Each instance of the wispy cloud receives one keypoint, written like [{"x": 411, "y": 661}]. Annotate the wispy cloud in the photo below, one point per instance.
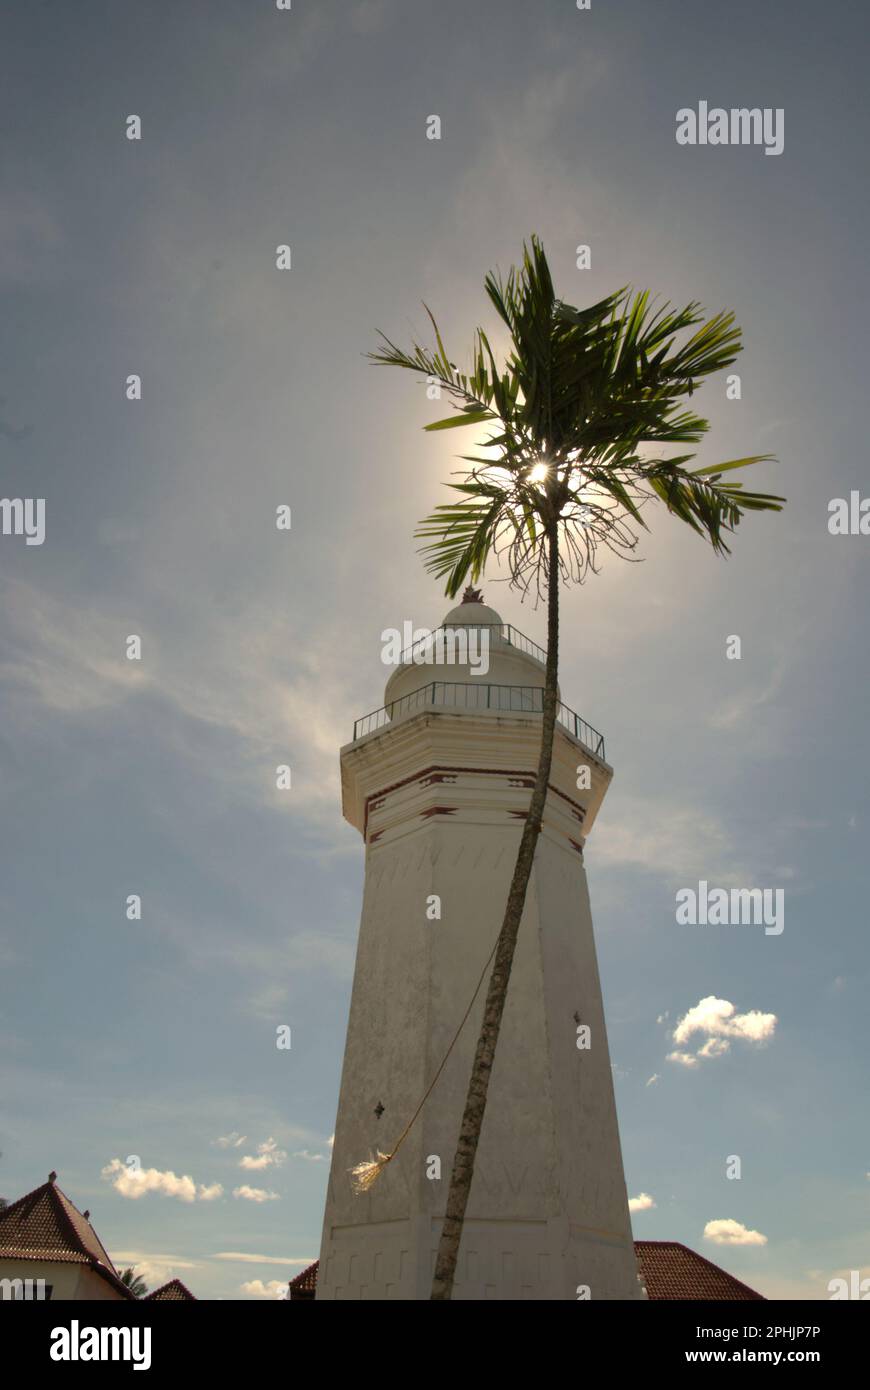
[
  {"x": 268, "y": 1155},
  {"x": 245, "y": 1257},
  {"x": 155, "y": 1268},
  {"x": 232, "y": 675},
  {"x": 230, "y": 1141},
  {"x": 751, "y": 697},
  {"x": 302, "y": 952},
  {"x": 667, "y": 839}
]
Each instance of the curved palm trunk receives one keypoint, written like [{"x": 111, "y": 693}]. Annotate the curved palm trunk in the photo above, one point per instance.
[{"x": 475, "y": 1103}]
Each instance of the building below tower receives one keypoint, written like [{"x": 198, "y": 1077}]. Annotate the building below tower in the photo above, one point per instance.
[{"x": 669, "y": 1272}]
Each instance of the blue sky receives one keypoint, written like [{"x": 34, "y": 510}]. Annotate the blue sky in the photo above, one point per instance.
[{"x": 261, "y": 647}]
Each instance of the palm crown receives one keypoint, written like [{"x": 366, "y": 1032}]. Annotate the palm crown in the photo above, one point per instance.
[{"x": 581, "y": 396}]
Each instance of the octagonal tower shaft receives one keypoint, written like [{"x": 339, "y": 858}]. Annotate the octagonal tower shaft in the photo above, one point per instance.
[{"x": 439, "y": 791}]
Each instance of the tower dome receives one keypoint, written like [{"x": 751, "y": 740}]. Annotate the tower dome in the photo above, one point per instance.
[
  {"x": 473, "y": 612},
  {"x": 473, "y": 652}
]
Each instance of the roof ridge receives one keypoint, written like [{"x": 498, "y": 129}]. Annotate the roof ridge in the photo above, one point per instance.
[
  {"x": 67, "y": 1202},
  {"x": 10, "y": 1206},
  {"x": 171, "y": 1283},
  {"x": 60, "y": 1199}
]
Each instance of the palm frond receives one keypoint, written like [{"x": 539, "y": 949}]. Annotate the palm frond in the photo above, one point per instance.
[{"x": 460, "y": 535}]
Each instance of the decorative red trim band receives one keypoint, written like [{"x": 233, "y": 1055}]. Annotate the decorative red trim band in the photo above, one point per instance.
[{"x": 437, "y": 774}]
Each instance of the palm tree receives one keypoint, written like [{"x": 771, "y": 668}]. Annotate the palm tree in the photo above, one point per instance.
[
  {"x": 580, "y": 398},
  {"x": 134, "y": 1282}
]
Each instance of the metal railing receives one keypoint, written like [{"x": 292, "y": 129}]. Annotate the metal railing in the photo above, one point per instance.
[
  {"x": 526, "y": 699},
  {"x": 446, "y": 633}
]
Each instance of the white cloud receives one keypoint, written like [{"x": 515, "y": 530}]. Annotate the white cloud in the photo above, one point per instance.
[
  {"x": 728, "y": 1232},
  {"x": 311, "y": 1157},
  {"x": 136, "y": 1182},
  {"x": 257, "y": 1289},
  {"x": 268, "y": 1156},
  {"x": 254, "y": 1194},
  {"x": 643, "y": 1202},
  {"x": 717, "y": 1020},
  {"x": 683, "y": 1059}
]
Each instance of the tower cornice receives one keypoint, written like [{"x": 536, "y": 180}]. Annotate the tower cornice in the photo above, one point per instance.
[{"x": 476, "y": 767}]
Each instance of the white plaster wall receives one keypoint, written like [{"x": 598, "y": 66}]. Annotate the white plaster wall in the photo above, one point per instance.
[{"x": 95, "y": 1289}]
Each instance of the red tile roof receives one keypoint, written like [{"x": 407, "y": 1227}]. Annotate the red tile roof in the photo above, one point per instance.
[
  {"x": 174, "y": 1291},
  {"x": 45, "y": 1225},
  {"x": 305, "y": 1284},
  {"x": 673, "y": 1271},
  {"x": 669, "y": 1271}
]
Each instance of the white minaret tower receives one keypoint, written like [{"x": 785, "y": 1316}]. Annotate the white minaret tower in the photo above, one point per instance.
[{"x": 438, "y": 783}]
